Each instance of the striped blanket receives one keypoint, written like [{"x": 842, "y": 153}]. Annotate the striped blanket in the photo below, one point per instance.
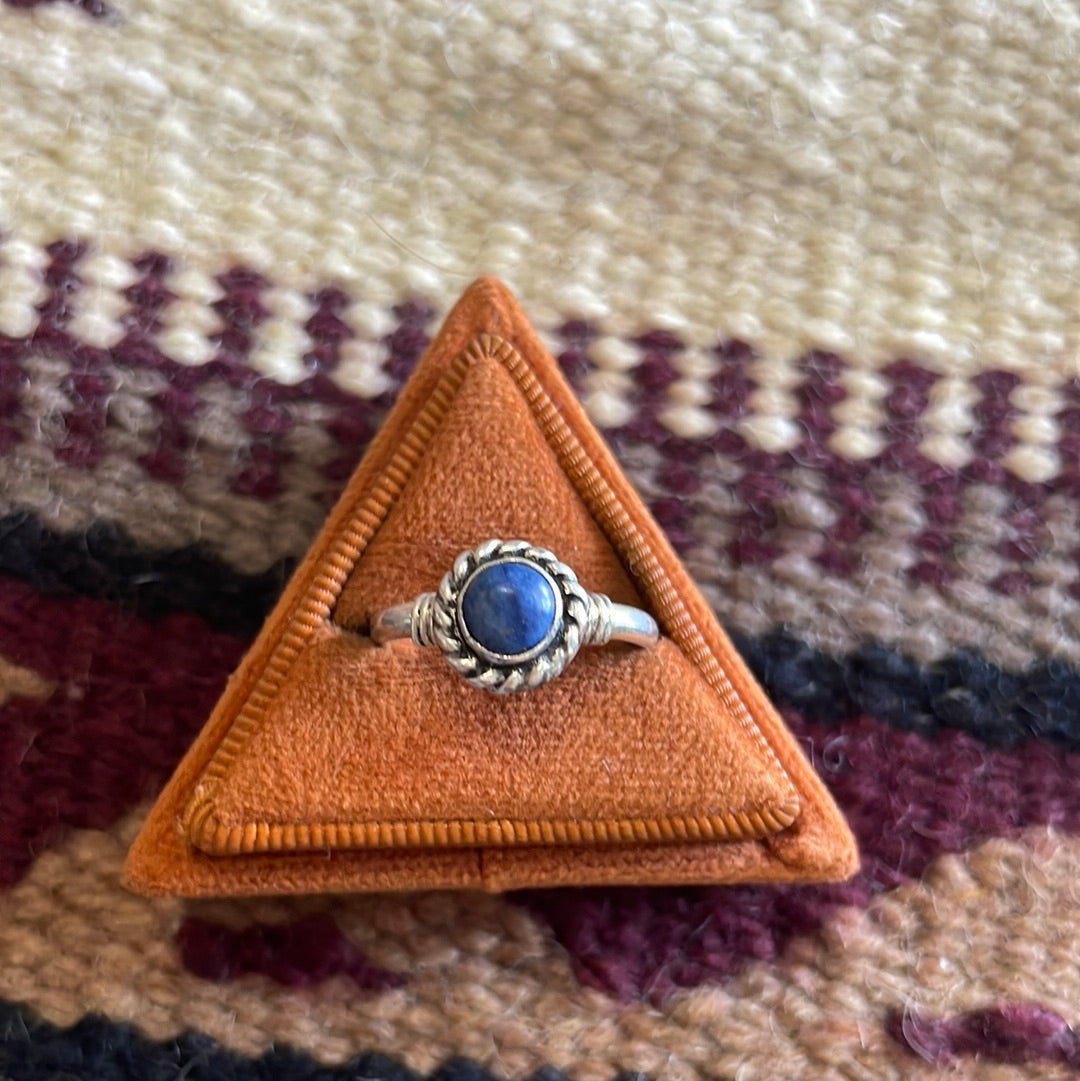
[{"x": 814, "y": 270}]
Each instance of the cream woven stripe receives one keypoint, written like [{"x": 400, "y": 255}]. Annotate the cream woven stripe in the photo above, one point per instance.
[
  {"x": 484, "y": 981},
  {"x": 878, "y": 179}
]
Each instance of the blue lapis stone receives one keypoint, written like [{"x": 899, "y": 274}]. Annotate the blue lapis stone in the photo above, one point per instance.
[{"x": 508, "y": 608}]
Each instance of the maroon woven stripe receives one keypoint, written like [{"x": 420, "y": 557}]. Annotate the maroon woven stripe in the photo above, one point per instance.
[
  {"x": 97, "y": 9},
  {"x": 130, "y": 698},
  {"x": 268, "y": 414},
  {"x": 908, "y": 799},
  {"x": 302, "y": 953},
  {"x": 267, "y": 418},
  {"x": 133, "y": 694},
  {"x": 1014, "y": 1033}
]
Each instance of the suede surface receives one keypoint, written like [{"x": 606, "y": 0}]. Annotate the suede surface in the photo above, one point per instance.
[
  {"x": 332, "y": 764},
  {"x": 487, "y": 472},
  {"x": 366, "y": 734}
]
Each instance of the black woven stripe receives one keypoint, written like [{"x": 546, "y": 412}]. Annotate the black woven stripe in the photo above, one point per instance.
[
  {"x": 106, "y": 564},
  {"x": 95, "y": 1049},
  {"x": 963, "y": 690}
]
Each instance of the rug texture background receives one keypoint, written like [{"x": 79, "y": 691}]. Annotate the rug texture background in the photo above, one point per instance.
[{"x": 814, "y": 268}]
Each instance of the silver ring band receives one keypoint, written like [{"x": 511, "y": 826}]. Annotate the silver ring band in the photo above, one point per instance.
[
  {"x": 628, "y": 624},
  {"x": 509, "y": 616}
]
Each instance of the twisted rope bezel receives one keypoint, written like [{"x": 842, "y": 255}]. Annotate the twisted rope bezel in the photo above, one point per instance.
[{"x": 436, "y": 620}]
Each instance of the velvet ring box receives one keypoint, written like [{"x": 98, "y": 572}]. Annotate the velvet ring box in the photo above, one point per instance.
[{"x": 334, "y": 764}]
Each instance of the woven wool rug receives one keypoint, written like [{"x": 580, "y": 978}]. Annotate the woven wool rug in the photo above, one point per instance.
[{"x": 814, "y": 269}]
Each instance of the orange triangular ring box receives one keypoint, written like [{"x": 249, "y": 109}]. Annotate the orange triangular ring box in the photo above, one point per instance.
[{"x": 333, "y": 763}]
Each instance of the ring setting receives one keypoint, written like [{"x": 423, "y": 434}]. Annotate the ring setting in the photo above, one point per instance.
[{"x": 509, "y": 616}]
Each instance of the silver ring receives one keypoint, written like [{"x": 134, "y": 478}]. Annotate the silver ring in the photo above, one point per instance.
[{"x": 508, "y": 616}]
